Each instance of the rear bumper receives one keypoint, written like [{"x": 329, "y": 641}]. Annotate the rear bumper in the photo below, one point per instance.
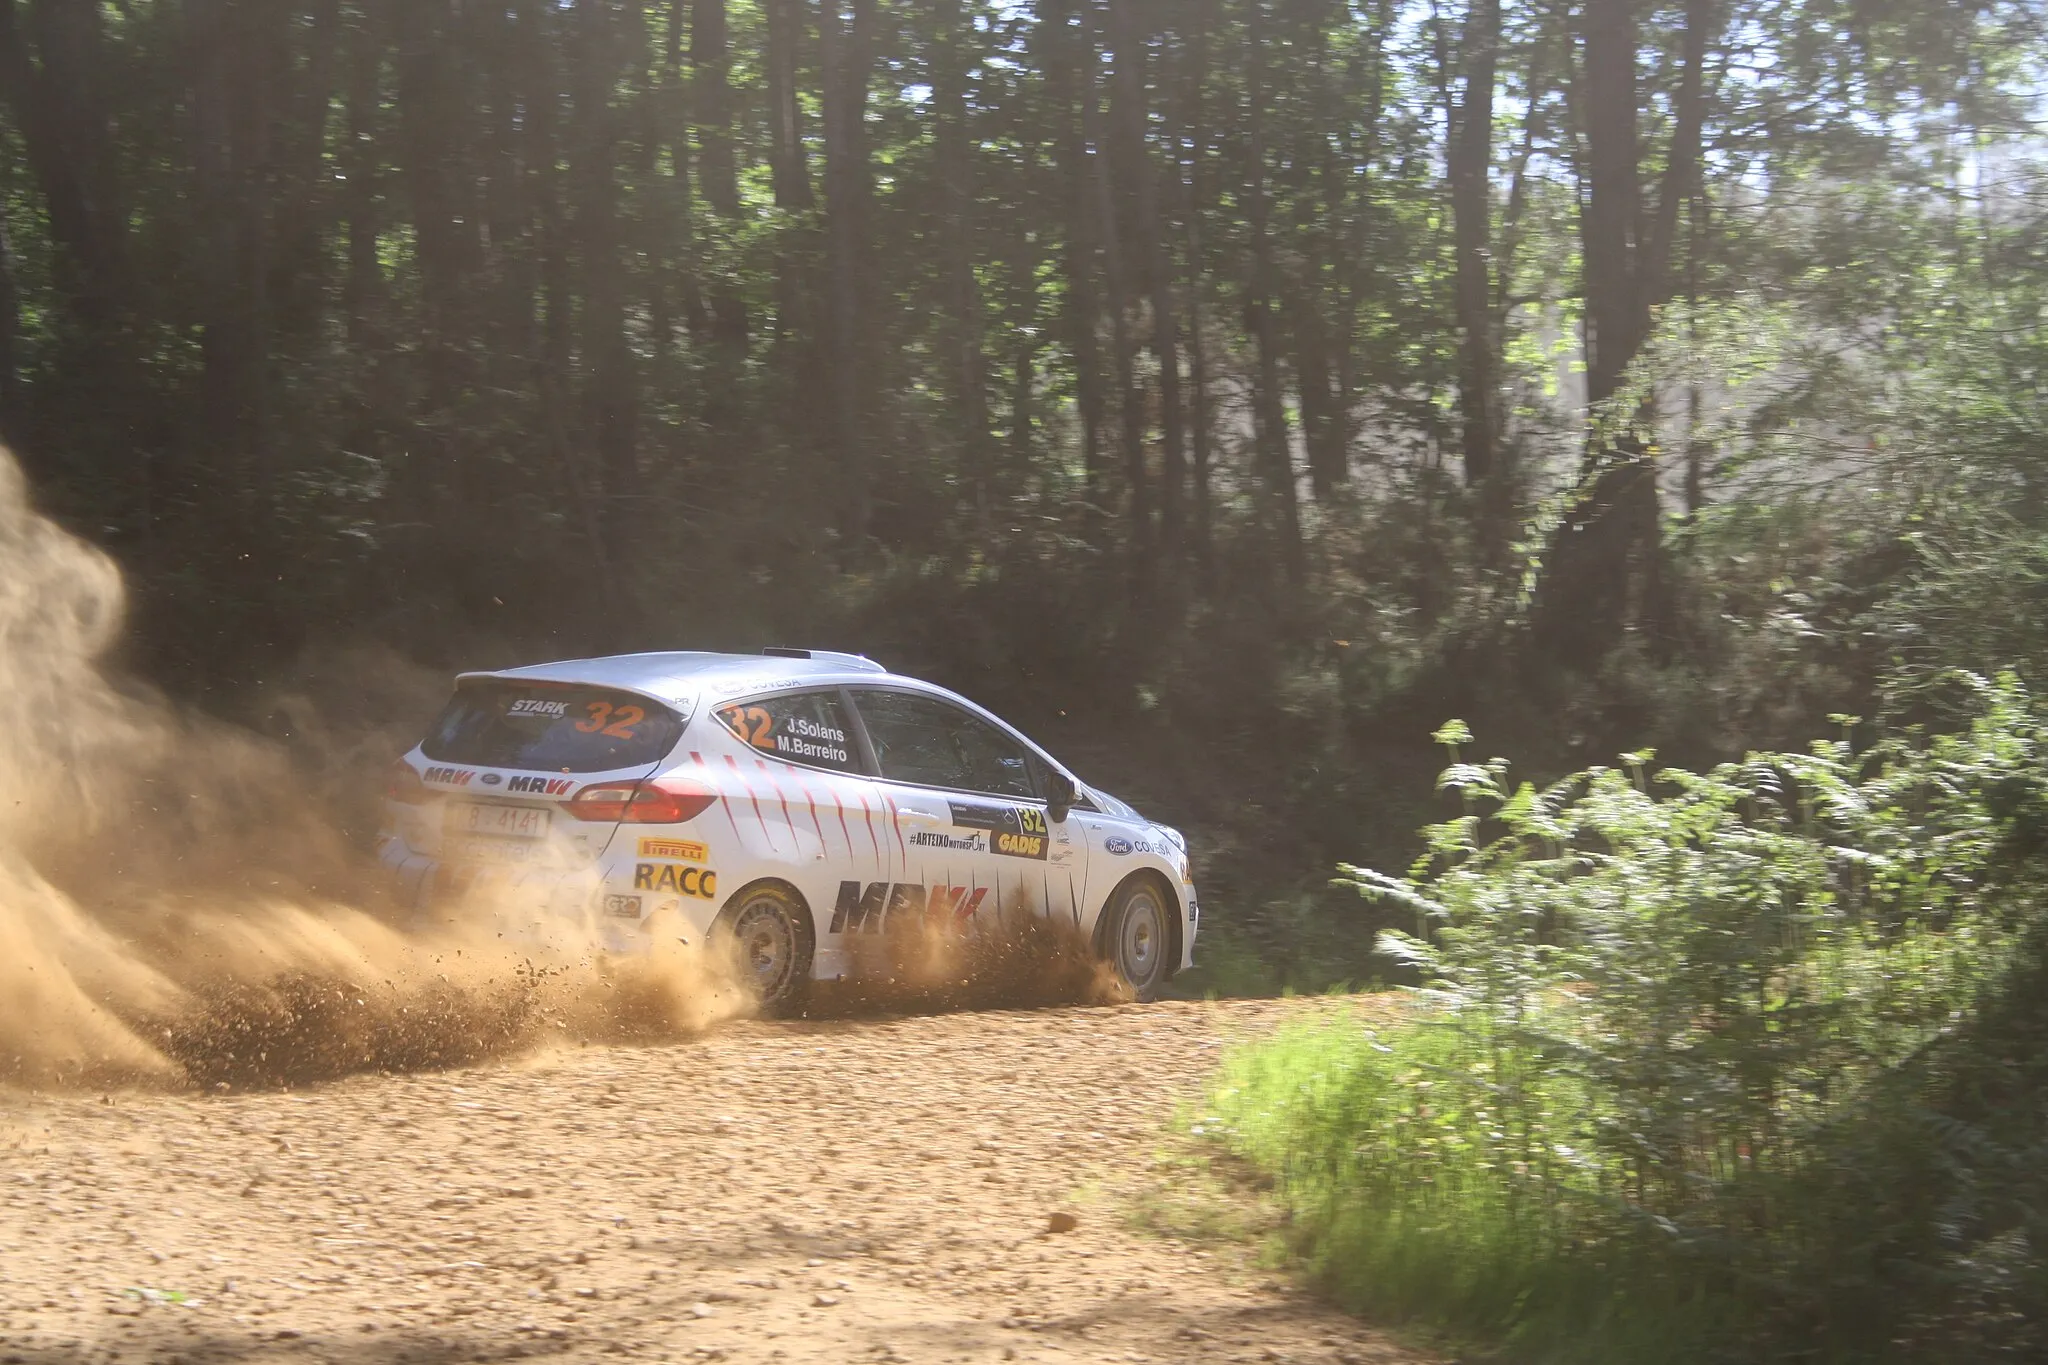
[{"x": 570, "y": 909}]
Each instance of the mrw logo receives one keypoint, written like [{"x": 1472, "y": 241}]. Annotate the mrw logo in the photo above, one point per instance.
[{"x": 864, "y": 909}]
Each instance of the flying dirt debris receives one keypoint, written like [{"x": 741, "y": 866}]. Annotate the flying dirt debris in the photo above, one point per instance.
[
  {"x": 175, "y": 909},
  {"x": 178, "y": 906}
]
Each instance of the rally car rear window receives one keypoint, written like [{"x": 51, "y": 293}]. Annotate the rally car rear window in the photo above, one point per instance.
[{"x": 551, "y": 728}]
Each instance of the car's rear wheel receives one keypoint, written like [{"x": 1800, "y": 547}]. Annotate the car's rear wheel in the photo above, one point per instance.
[
  {"x": 1138, "y": 935},
  {"x": 766, "y": 930}
]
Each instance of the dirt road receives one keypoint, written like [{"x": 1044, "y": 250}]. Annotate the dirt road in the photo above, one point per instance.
[{"x": 868, "y": 1190}]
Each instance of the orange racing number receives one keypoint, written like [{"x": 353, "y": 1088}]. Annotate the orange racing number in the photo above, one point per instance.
[
  {"x": 751, "y": 724},
  {"x": 606, "y": 719}
]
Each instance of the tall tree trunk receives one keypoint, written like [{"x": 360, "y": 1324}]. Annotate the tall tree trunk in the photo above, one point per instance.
[
  {"x": 1680, "y": 185},
  {"x": 1604, "y": 570},
  {"x": 1269, "y": 411},
  {"x": 788, "y": 162},
  {"x": 1471, "y": 160},
  {"x": 1322, "y": 417},
  {"x": 1614, "y": 310},
  {"x": 1195, "y": 202},
  {"x": 1697, "y": 447},
  {"x": 963, "y": 294},
  {"x": 51, "y": 94},
  {"x": 545, "y": 71},
  {"x": 362, "y": 288},
  {"x": 1068, "y": 56},
  {"x": 662, "y": 126},
  {"x": 1367, "y": 74},
  {"x": 1318, "y": 232},
  {"x": 303, "y": 193},
  {"x": 507, "y": 208},
  {"x": 1513, "y": 217},
  {"x": 10, "y": 332},
  {"x": 677, "y": 196},
  {"x": 797, "y": 343},
  {"x": 717, "y": 168},
  {"x": 1024, "y": 310},
  {"x": 230, "y": 129},
  {"x": 1116, "y": 280},
  {"x": 428, "y": 115},
  {"x": 541, "y": 23},
  {"x": 611, "y": 392},
  {"x": 711, "y": 86},
  {"x": 846, "y": 29},
  {"x": 1133, "y": 119}
]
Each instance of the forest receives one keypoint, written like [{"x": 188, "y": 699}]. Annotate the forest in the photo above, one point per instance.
[
  {"x": 1233, "y": 392},
  {"x": 1293, "y": 373}
]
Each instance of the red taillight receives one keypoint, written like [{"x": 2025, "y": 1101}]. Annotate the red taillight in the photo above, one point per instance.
[
  {"x": 404, "y": 785},
  {"x": 657, "y": 801}
]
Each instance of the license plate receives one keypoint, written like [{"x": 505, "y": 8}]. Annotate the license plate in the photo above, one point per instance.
[
  {"x": 483, "y": 849},
  {"x": 497, "y": 822}
]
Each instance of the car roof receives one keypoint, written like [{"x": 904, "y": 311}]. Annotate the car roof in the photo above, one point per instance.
[{"x": 678, "y": 677}]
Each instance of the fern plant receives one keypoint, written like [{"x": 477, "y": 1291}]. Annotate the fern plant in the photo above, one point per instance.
[{"x": 1649, "y": 997}]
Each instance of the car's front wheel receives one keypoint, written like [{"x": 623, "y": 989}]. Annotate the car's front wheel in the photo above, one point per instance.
[
  {"x": 766, "y": 932},
  {"x": 1138, "y": 935}
]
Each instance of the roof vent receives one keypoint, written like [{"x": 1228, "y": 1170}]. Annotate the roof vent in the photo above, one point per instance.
[{"x": 858, "y": 662}]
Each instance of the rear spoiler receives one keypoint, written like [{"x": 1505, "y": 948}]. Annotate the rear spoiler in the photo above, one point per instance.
[{"x": 858, "y": 663}]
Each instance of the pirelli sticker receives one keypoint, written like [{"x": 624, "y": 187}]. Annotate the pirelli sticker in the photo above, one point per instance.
[
  {"x": 1013, "y": 831},
  {"x": 682, "y": 850}
]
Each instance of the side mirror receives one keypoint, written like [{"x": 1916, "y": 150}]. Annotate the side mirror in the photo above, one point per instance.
[{"x": 1059, "y": 795}]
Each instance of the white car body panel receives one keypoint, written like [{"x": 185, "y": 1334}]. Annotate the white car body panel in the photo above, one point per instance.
[{"x": 857, "y": 848}]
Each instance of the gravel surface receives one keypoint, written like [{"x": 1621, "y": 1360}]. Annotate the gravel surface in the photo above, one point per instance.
[{"x": 951, "y": 1187}]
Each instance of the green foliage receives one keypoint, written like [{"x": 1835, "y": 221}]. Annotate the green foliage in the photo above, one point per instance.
[{"x": 1677, "y": 1029}]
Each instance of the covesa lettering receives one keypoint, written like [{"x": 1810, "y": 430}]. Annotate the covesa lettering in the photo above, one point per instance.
[{"x": 684, "y": 881}]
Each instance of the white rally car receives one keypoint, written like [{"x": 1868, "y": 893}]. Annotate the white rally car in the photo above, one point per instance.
[{"x": 788, "y": 805}]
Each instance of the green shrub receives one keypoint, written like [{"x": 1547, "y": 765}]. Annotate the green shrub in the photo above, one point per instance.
[{"x": 1682, "y": 1037}]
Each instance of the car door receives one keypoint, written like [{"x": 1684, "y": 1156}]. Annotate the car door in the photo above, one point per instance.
[
  {"x": 809, "y": 812},
  {"x": 966, "y": 793}
]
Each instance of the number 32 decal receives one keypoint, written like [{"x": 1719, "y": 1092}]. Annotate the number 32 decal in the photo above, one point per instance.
[
  {"x": 751, "y": 723},
  {"x": 606, "y": 719}
]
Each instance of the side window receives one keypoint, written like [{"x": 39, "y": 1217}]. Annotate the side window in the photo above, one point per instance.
[
  {"x": 803, "y": 727},
  {"x": 934, "y": 744}
]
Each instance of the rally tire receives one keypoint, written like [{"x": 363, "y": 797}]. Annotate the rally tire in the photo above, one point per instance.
[
  {"x": 1137, "y": 935},
  {"x": 766, "y": 927}
]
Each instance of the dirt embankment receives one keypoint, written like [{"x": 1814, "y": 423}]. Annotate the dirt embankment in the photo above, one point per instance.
[{"x": 853, "y": 1190}]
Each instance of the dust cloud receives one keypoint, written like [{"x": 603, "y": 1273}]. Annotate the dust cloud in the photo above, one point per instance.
[{"x": 184, "y": 901}]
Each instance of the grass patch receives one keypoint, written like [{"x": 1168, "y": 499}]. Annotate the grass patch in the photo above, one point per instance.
[{"x": 1399, "y": 1199}]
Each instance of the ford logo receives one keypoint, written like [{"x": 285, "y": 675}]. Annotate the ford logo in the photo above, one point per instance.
[
  {"x": 1117, "y": 846},
  {"x": 492, "y": 779}
]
